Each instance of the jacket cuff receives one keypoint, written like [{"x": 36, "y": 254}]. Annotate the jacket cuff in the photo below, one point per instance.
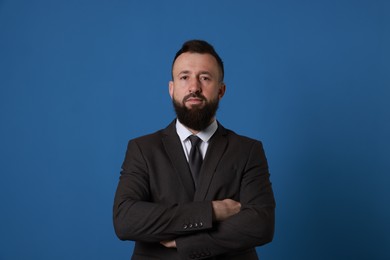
[{"x": 198, "y": 216}]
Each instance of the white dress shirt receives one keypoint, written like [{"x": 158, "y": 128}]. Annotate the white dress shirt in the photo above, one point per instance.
[{"x": 204, "y": 135}]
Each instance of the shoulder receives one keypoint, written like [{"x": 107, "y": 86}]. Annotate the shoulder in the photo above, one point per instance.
[
  {"x": 155, "y": 137},
  {"x": 237, "y": 138},
  {"x": 148, "y": 139},
  {"x": 242, "y": 145}
]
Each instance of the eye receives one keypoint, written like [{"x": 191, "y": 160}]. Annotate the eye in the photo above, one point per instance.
[
  {"x": 184, "y": 77},
  {"x": 204, "y": 78}
]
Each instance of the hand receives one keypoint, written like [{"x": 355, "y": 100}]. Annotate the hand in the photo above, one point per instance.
[
  {"x": 169, "y": 244},
  {"x": 223, "y": 209}
]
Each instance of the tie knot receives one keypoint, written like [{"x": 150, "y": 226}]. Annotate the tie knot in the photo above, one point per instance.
[{"x": 194, "y": 140}]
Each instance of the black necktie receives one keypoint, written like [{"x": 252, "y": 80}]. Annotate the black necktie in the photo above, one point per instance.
[{"x": 195, "y": 159}]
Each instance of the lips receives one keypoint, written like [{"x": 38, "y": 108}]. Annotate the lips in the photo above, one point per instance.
[
  {"x": 194, "y": 98},
  {"x": 193, "y": 101}
]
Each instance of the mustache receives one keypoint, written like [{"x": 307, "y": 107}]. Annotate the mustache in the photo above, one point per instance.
[{"x": 194, "y": 95}]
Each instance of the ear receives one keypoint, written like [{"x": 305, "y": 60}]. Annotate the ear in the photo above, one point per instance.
[
  {"x": 222, "y": 89},
  {"x": 171, "y": 89}
]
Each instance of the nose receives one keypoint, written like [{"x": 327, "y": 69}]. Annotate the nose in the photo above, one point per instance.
[{"x": 195, "y": 86}]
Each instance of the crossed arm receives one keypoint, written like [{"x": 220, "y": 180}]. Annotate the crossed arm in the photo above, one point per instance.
[
  {"x": 222, "y": 210},
  {"x": 228, "y": 224}
]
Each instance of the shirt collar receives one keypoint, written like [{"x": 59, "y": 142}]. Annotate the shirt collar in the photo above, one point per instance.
[{"x": 205, "y": 134}]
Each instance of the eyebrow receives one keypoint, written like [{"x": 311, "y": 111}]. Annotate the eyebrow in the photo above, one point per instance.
[
  {"x": 183, "y": 72},
  {"x": 201, "y": 73},
  {"x": 205, "y": 72}
]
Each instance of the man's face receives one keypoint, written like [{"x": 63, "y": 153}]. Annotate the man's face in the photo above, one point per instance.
[{"x": 196, "y": 81}]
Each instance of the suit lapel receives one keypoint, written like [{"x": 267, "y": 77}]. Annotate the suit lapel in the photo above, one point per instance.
[
  {"x": 217, "y": 146},
  {"x": 174, "y": 149}
]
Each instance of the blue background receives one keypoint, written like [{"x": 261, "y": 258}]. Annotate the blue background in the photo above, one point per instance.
[{"x": 311, "y": 79}]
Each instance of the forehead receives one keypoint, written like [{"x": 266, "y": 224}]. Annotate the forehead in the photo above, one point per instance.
[{"x": 195, "y": 62}]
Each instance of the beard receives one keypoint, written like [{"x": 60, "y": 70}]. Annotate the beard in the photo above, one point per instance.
[{"x": 197, "y": 118}]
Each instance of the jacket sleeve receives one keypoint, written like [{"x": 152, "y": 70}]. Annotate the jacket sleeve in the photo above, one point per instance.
[
  {"x": 137, "y": 217},
  {"x": 252, "y": 226}
]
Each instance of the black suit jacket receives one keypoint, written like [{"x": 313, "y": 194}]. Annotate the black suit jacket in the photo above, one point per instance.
[{"x": 156, "y": 198}]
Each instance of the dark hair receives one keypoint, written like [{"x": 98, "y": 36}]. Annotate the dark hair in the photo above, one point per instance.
[{"x": 202, "y": 47}]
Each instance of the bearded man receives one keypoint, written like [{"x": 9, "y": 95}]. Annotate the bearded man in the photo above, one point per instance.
[{"x": 195, "y": 190}]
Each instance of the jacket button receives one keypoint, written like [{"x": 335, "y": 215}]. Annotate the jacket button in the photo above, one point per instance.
[
  {"x": 190, "y": 226},
  {"x": 185, "y": 226},
  {"x": 201, "y": 224}
]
